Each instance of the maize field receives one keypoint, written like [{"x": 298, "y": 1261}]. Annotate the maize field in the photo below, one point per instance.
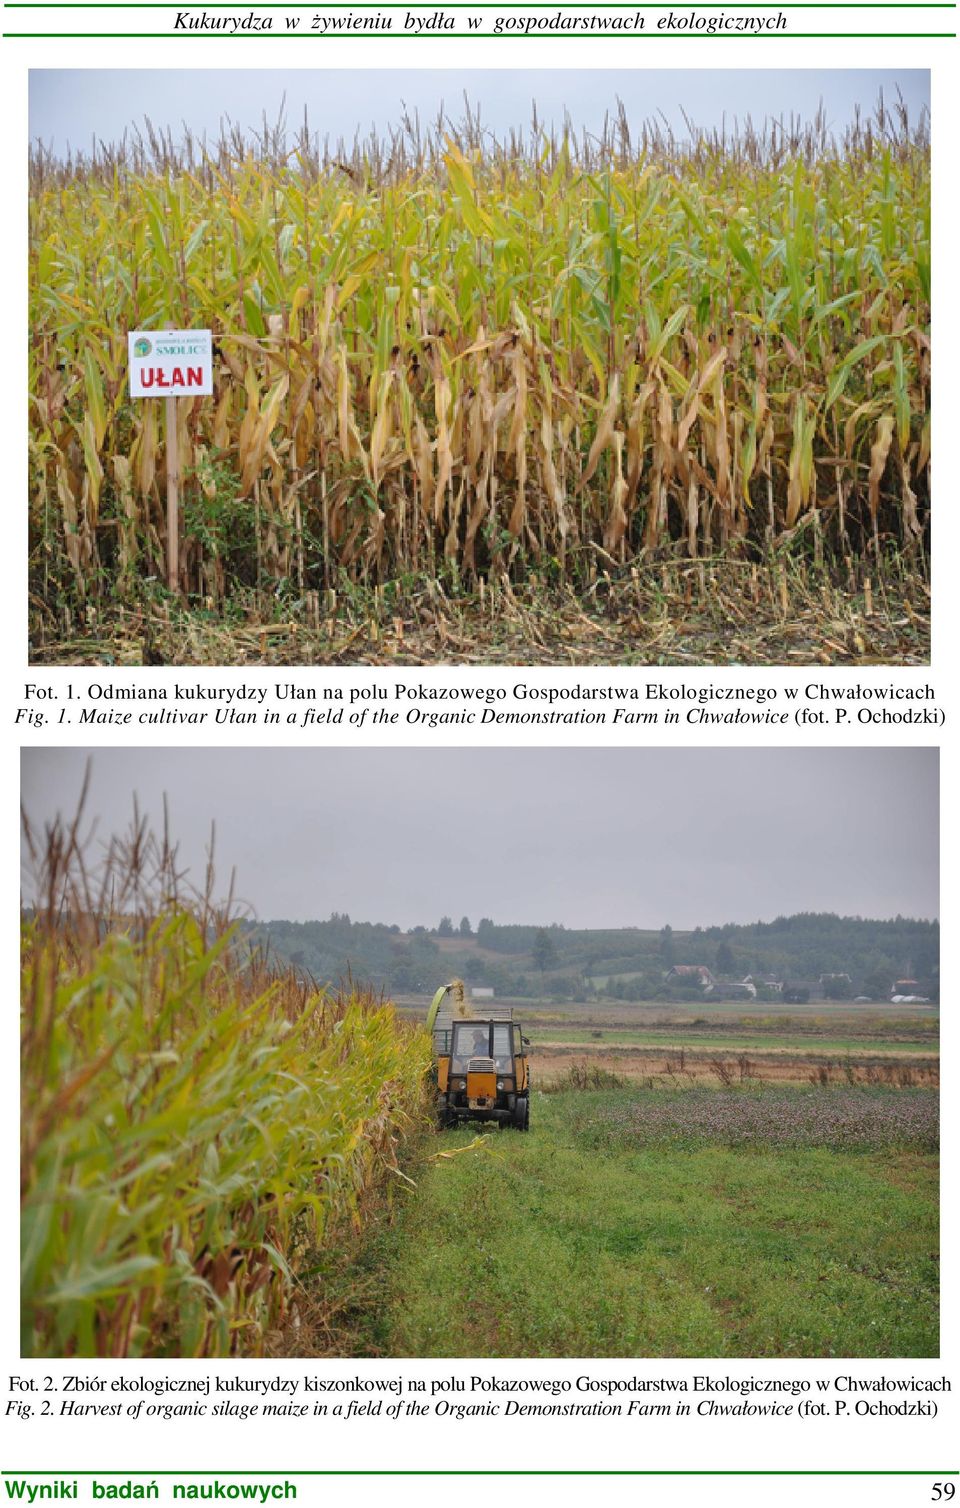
[
  {"x": 438, "y": 354},
  {"x": 198, "y": 1129}
]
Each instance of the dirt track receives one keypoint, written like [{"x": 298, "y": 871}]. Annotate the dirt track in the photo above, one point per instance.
[{"x": 553, "y": 1061}]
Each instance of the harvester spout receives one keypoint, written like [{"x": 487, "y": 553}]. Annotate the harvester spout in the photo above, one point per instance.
[{"x": 435, "y": 1006}]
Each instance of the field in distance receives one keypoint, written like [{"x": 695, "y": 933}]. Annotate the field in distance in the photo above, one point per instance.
[{"x": 675, "y": 1044}]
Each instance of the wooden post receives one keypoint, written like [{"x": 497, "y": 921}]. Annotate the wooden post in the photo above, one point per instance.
[
  {"x": 173, "y": 494},
  {"x": 172, "y": 443}
]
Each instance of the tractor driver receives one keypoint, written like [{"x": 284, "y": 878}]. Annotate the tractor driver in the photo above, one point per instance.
[{"x": 465, "y": 1051}]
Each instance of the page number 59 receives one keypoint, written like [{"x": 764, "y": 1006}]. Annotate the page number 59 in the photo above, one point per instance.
[{"x": 942, "y": 1492}]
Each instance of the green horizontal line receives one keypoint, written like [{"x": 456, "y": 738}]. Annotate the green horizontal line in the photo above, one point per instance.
[
  {"x": 256, "y": 1472},
  {"x": 560, "y": 5},
  {"x": 505, "y": 36}
]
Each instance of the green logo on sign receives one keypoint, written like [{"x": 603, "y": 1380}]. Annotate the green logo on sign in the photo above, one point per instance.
[{"x": 142, "y": 347}]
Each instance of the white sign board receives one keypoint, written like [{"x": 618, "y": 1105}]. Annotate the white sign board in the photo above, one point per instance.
[{"x": 170, "y": 363}]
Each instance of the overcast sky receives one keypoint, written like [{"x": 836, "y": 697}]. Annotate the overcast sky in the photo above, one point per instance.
[
  {"x": 588, "y": 838},
  {"x": 68, "y": 107}
]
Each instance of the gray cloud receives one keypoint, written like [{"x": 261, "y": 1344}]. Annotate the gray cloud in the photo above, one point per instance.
[
  {"x": 72, "y": 106},
  {"x": 591, "y": 838}
]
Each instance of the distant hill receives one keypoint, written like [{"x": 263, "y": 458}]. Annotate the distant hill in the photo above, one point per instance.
[{"x": 624, "y": 963}]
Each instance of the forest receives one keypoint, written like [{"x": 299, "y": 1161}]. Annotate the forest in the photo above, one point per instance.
[{"x": 630, "y": 962}]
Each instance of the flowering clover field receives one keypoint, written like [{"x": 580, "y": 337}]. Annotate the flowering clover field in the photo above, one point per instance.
[{"x": 847, "y": 1119}]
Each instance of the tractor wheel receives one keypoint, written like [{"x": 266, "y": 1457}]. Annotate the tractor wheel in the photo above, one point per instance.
[{"x": 521, "y": 1114}]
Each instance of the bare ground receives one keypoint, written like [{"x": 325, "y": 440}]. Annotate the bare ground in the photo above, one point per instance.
[{"x": 687, "y": 1066}]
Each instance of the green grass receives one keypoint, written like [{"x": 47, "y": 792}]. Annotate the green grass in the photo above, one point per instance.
[
  {"x": 690, "y": 1037},
  {"x": 566, "y": 1243}
]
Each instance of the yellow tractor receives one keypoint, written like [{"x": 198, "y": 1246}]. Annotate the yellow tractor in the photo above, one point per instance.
[{"x": 481, "y": 1061}]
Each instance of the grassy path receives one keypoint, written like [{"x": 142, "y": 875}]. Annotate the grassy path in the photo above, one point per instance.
[{"x": 575, "y": 1241}]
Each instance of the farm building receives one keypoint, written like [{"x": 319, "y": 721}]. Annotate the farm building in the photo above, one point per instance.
[
  {"x": 836, "y": 986},
  {"x": 691, "y": 973},
  {"x": 740, "y": 989},
  {"x": 768, "y": 982},
  {"x": 912, "y": 992}
]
